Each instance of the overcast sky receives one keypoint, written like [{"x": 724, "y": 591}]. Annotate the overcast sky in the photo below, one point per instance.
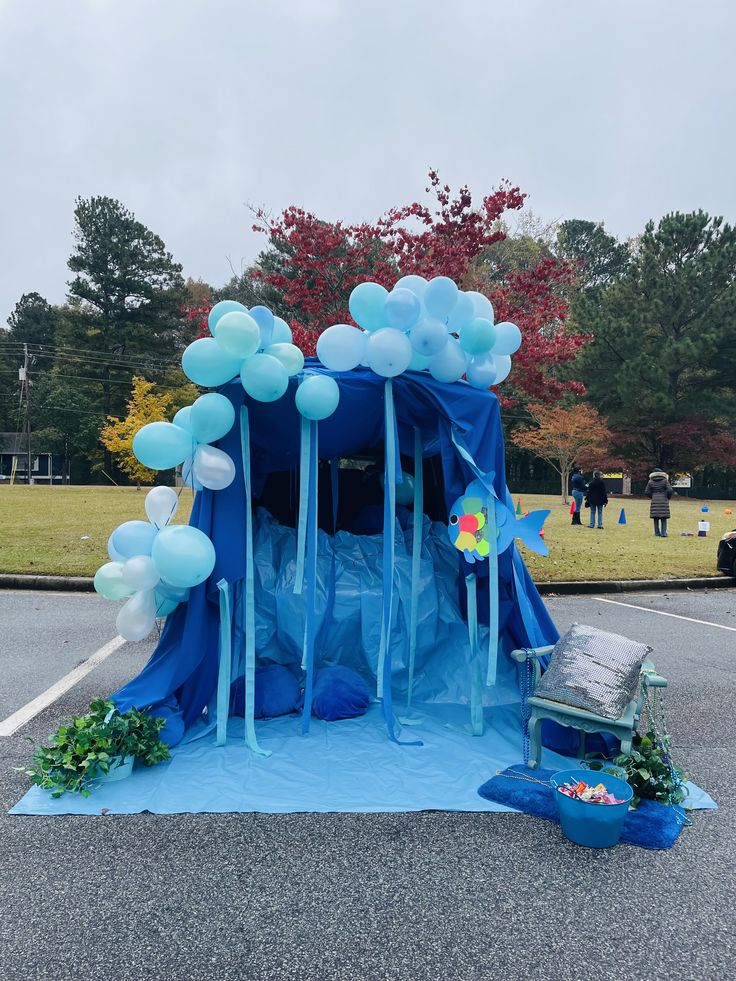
[{"x": 186, "y": 110}]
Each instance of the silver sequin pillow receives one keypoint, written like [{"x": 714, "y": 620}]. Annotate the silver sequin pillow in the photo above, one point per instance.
[{"x": 593, "y": 670}]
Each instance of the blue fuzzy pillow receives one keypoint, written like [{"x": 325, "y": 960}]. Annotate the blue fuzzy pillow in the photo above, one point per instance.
[
  {"x": 276, "y": 692},
  {"x": 339, "y": 693}
]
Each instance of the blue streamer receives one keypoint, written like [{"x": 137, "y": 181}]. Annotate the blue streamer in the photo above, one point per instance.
[
  {"x": 223, "y": 676},
  {"x": 334, "y": 486},
  {"x": 416, "y": 557},
  {"x": 312, "y": 545},
  {"x": 492, "y": 595},
  {"x": 476, "y": 684},
  {"x": 301, "y": 536},
  {"x": 249, "y": 665}
]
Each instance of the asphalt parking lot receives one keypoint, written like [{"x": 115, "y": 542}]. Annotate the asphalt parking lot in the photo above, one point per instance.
[{"x": 423, "y": 895}]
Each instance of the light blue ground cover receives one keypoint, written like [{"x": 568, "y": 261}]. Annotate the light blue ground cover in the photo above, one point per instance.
[{"x": 347, "y": 766}]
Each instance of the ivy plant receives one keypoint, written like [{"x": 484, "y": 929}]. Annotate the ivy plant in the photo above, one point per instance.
[
  {"x": 651, "y": 772},
  {"x": 83, "y": 750}
]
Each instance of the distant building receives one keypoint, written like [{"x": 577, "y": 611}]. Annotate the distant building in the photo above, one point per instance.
[{"x": 46, "y": 467}]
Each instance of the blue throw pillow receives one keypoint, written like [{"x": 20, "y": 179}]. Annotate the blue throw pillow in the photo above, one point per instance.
[
  {"x": 339, "y": 693},
  {"x": 276, "y": 692}
]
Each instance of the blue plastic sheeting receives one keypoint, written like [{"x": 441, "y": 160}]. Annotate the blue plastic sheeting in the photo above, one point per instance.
[
  {"x": 185, "y": 662},
  {"x": 341, "y": 766}
]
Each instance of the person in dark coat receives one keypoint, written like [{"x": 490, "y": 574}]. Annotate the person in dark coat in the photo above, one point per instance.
[
  {"x": 579, "y": 487},
  {"x": 659, "y": 490},
  {"x": 597, "y": 498}
]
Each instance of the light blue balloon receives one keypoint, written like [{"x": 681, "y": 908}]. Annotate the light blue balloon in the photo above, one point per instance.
[
  {"x": 417, "y": 284},
  {"x": 503, "y": 367},
  {"x": 113, "y": 552},
  {"x": 418, "y": 362},
  {"x": 429, "y": 336},
  {"x": 461, "y": 314},
  {"x": 205, "y": 363},
  {"x": 220, "y": 309},
  {"x": 179, "y": 594},
  {"x": 182, "y": 419},
  {"x": 389, "y": 352},
  {"x": 481, "y": 371},
  {"x": 289, "y": 355},
  {"x": 212, "y": 417},
  {"x": 188, "y": 475},
  {"x": 162, "y": 445},
  {"x": 402, "y": 309},
  {"x": 133, "y": 538},
  {"x": 482, "y": 306},
  {"x": 238, "y": 334},
  {"x": 366, "y": 305},
  {"x": 478, "y": 336},
  {"x": 264, "y": 378},
  {"x": 317, "y": 397},
  {"x": 184, "y": 556},
  {"x": 164, "y": 606},
  {"x": 265, "y": 320},
  {"x": 440, "y": 297},
  {"x": 281, "y": 332},
  {"x": 508, "y": 338},
  {"x": 341, "y": 347},
  {"x": 450, "y": 364}
]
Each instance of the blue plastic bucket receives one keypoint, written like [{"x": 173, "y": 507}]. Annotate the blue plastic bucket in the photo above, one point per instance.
[{"x": 592, "y": 825}]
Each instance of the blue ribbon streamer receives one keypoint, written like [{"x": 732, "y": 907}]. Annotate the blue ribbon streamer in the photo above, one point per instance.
[
  {"x": 301, "y": 535},
  {"x": 250, "y": 606},
  {"x": 223, "y": 676},
  {"x": 476, "y": 685},
  {"x": 492, "y": 594},
  {"x": 416, "y": 557},
  {"x": 312, "y": 536}
]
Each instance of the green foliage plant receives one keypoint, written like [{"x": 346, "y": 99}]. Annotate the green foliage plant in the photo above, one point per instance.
[{"x": 83, "y": 751}]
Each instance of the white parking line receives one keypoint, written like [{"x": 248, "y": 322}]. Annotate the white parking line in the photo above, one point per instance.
[
  {"x": 662, "y": 613},
  {"x": 31, "y": 709}
]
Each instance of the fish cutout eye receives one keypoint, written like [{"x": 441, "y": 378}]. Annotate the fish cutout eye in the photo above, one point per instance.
[{"x": 453, "y": 519}]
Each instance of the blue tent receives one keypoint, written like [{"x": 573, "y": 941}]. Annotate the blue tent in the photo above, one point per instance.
[{"x": 370, "y": 600}]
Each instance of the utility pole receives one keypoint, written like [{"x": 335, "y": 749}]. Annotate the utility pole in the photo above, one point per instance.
[{"x": 24, "y": 375}]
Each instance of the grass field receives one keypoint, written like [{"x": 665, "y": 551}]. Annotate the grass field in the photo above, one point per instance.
[{"x": 64, "y": 531}]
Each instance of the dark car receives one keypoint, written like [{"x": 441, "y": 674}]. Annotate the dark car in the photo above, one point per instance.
[{"x": 727, "y": 553}]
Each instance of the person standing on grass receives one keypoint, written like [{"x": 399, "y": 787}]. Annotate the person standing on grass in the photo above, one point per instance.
[
  {"x": 659, "y": 490},
  {"x": 579, "y": 487},
  {"x": 597, "y": 498}
]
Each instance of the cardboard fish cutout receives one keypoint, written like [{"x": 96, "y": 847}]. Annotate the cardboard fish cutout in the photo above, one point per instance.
[{"x": 469, "y": 526}]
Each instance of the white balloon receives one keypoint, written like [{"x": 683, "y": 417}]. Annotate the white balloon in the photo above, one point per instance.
[
  {"x": 137, "y": 617},
  {"x": 503, "y": 367},
  {"x": 450, "y": 364},
  {"x": 341, "y": 347},
  {"x": 508, "y": 338},
  {"x": 212, "y": 467},
  {"x": 188, "y": 475},
  {"x": 140, "y": 572},
  {"x": 161, "y": 505},
  {"x": 389, "y": 352}
]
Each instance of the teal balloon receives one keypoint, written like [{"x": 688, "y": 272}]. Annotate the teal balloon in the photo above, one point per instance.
[
  {"x": 417, "y": 284},
  {"x": 449, "y": 365},
  {"x": 478, "y": 336},
  {"x": 481, "y": 371},
  {"x": 429, "y": 336},
  {"x": 289, "y": 355},
  {"x": 366, "y": 305},
  {"x": 184, "y": 556},
  {"x": 182, "y": 419},
  {"x": 418, "y": 362},
  {"x": 133, "y": 538},
  {"x": 440, "y": 297},
  {"x": 462, "y": 313},
  {"x": 179, "y": 594},
  {"x": 281, "y": 332},
  {"x": 164, "y": 605},
  {"x": 108, "y": 582},
  {"x": 405, "y": 490},
  {"x": 266, "y": 321},
  {"x": 205, "y": 363},
  {"x": 238, "y": 335},
  {"x": 220, "y": 309},
  {"x": 317, "y": 397},
  {"x": 212, "y": 417},
  {"x": 401, "y": 309},
  {"x": 264, "y": 378},
  {"x": 508, "y": 338},
  {"x": 162, "y": 445},
  {"x": 482, "y": 306}
]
